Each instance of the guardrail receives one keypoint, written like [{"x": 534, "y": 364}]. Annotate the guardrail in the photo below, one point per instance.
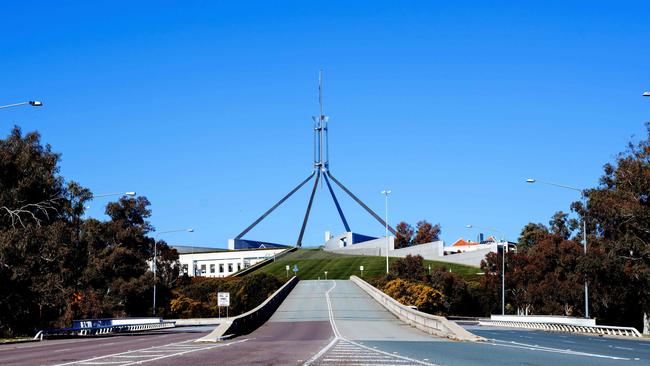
[
  {"x": 432, "y": 324},
  {"x": 570, "y": 328},
  {"x": 253, "y": 319},
  {"x": 103, "y": 330}
]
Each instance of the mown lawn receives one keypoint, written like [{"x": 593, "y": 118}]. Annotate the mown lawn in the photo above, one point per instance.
[{"x": 312, "y": 264}]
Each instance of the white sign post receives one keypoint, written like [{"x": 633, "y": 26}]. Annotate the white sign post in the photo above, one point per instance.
[
  {"x": 361, "y": 269},
  {"x": 223, "y": 299},
  {"x": 287, "y": 268}
]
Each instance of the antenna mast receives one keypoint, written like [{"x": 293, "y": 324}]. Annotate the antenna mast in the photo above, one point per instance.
[{"x": 320, "y": 132}]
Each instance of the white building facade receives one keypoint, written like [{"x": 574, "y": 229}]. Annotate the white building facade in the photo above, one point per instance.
[{"x": 223, "y": 263}]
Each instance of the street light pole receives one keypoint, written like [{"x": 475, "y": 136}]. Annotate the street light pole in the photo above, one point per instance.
[
  {"x": 33, "y": 103},
  {"x": 584, "y": 225},
  {"x": 503, "y": 265},
  {"x": 386, "y": 192},
  {"x": 155, "y": 264}
]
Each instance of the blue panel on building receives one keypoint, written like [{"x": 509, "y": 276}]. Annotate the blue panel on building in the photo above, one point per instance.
[
  {"x": 358, "y": 238},
  {"x": 254, "y": 244}
]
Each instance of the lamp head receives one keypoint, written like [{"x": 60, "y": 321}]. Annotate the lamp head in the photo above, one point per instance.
[
  {"x": 35, "y": 103},
  {"x": 190, "y": 230},
  {"x": 469, "y": 226},
  {"x": 646, "y": 94},
  {"x": 530, "y": 180},
  {"x": 130, "y": 194}
]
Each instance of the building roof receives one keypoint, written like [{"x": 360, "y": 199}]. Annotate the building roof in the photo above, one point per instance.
[{"x": 462, "y": 242}]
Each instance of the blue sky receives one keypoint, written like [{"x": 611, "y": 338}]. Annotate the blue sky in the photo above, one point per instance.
[{"x": 205, "y": 107}]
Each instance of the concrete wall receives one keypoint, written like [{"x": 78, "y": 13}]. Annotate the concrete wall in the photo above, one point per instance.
[
  {"x": 470, "y": 258},
  {"x": 432, "y": 251}
]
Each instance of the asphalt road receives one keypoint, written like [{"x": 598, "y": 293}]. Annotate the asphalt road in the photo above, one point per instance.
[
  {"x": 61, "y": 351},
  {"x": 333, "y": 323}
]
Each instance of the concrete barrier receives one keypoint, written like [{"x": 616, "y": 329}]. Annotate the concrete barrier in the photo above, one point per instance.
[
  {"x": 251, "y": 320},
  {"x": 432, "y": 324}
]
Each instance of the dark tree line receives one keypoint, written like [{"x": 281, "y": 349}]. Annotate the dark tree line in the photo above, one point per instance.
[
  {"x": 56, "y": 266},
  {"x": 547, "y": 274}
]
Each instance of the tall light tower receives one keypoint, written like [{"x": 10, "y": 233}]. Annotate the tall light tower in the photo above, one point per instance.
[{"x": 321, "y": 169}]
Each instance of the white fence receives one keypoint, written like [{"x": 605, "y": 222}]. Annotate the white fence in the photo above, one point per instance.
[
  {"x": 103, "y": 330},
  {"x": 558, "y": 324}
]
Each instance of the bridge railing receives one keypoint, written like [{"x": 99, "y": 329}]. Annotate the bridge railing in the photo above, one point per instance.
[
  {"x": 432, "y": 324},
  {"x": 253, "y": 319},
  {"x": 559, "y": 327},
  {"x": 103, "y": 329}
]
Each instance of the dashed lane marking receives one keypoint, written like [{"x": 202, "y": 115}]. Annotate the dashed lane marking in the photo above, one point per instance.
[{"x": 342, "y": 350}]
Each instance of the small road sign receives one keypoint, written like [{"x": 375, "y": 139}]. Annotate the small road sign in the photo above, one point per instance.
[{"x": 223, "y": 298}]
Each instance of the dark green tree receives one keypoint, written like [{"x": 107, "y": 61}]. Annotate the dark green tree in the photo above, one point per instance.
[
  {"x": 404, "y": 235},
  {"x": 425, "y": 232}
]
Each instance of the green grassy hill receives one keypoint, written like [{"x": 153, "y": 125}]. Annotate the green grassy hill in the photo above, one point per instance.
[{"x": 312, "y": 263}]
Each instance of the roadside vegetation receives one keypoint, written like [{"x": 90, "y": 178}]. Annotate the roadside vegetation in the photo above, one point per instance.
[{"x": 197, "y": 297}]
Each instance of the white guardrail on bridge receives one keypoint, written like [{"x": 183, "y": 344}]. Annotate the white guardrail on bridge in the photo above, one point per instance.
[
  {"x": 558, "y": 324},
  {"x": 432, "y": 324},
  {"x": 115, "y": 326}
]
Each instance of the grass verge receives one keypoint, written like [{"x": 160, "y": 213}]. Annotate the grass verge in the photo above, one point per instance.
[{"x": 312, "y": 264}]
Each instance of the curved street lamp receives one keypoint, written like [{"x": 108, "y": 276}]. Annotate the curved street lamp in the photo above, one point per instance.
[
  {"x": 33, "y": 103},
  {"x": 130, "y": 194}
]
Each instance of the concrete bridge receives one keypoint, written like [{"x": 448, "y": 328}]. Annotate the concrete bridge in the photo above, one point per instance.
[{"x": 332, "y": 323}]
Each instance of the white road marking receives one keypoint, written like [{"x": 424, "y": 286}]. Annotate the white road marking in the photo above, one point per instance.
[
  {"x": 363, "y": 353},
  {"x": 159, "y": 352},
  {"x": 625, "y": 348},
  {"x": 62, "y": 350},
  {"x": 552, "y": 350}
]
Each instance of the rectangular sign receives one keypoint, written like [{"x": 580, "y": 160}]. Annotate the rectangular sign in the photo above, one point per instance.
[{"x": 223, "y": 298}]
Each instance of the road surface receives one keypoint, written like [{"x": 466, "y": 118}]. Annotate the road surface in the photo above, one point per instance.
[{"x": 333, "y": 323}]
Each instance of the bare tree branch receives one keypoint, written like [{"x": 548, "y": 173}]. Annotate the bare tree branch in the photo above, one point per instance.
[{"x": 30, "y": 211}]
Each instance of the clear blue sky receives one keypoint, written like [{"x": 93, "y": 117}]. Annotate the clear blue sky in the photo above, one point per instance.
[{"x": 204, "y": 107}]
